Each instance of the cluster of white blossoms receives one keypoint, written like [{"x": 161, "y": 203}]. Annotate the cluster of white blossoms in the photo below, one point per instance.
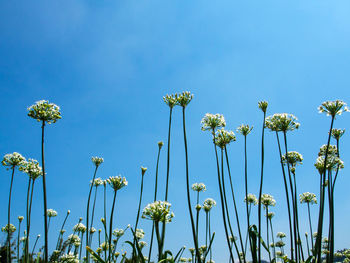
[
  {"x": 80, "y": 228},
  {"x": 263, "y": 105},
  {"x": 32, "y": 168},
  {"x": 182, "y": 99},
  {"x": 332, "y": 150},
  {"x": 69, "y": 258},
  {"x": 12, "y": 159},
  {"x": 224, "y": 137},
  {"x": 244, "y": 129},
  {"x": 97, "y": 161},
  {"x": 118, "y": 232},
  {"x": 267, "y": 200},
  {"x": 117, "y": 182},
  {"x": 199, "y": 187},
  {"x": 51, "y": 213},
  {"x": 44, "y": 111},
  {"x": 97, "y": 182},
  {"x": 251, "y": 199},
  {"x": 307, "y": 197},
  {"x": 208, "y": 204},
  {"x": 74, "y": 239},
  {"x": 142, "y": 244},
  {"x": 139, "y": 233},
  {"x": 332, "y": 108},
  {"x": 333, "y": 161},
  {"x": 10, "y": 229},
  {"x": 281, "y": 235},
  {"x": 282, "y": 122},
  {"x": 105, "y": 246},
  {"x": 212, "y": 121},
  {"x": 293, "y": 158},
  {"x": 20, "y": 218},
  {"x": 158, "y": 211},
  {"x": 337, "y": 133},
  {"x": 280, "y": 243}
]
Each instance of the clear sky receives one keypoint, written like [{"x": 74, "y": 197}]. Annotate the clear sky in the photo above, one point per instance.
[{"x": 107, "y": 64}]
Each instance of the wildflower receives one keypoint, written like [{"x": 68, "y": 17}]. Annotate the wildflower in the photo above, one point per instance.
[
  {"x": 74, "y": 239},
  {"x": 244, "y": 129},
  {"x": 191, "y": 249},
  {"x": 202, "y": 249},
  {"x": 44, "y": 111},
  {"x": 10, "y": 229},
  {"x": 282, "y": 122},
  {"x": 51, "y": 213},
  {"x": 208, "y": 204},
  {"x": 263, "y": 105},
  {"x": 308, "y": 198},
  {"x": 160, "y": 144},
  {"x": 223, "y": 137},
  {"x": 281, "y": 235},
  {"x": 332, "y": 108},
  {"x": 293, "y": 158},
  {"x": 337, "y": 133},
  {"x": 32, "y": 168},
  {"x": 139, "y": 233},
  {"x": 270, "y": 215},
  {"x": 280, "y": 243},
  {"x": 80, "y": 228},
  {"x": 92, "y": 230},
  {"x": 142, "y": 244},
  {"x": 97, "y": 182},
  {"x": 333, "y": 163},
  {"x": 117, "y": 182},
  {"x": 199, "y": 187},
  {"x": 159, "y": 211},
  {"x": 20, "y": 218},
  {"x": 12, "y": 159},
  {"x": 267, "y": 200},
  {"x": 184, "y": 98},
  {"x": 105, "y": 246},
  {"x": 170, "y": 100},
  {"x": 332, "y": 150},
  {"x": 198, "y": 207},
  {"x": 143, "y": 170},
  {"x": 69, "y": 258},
  {"x": 118, "y": 232},
  {"x": 251, "y": 198},
  {"x": 212, "y": 121},
  {"x": 97, "y": 161}
]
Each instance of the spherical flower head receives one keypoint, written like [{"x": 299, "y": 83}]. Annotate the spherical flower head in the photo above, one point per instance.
[
  {"x": 139, "y": 233},
  {"x": 293, "y": 158},
  {"x": 80, "y": 228},
  {"x": 223, "y": 137},
  {"x": 12, "y": 160},
  {"x": 282, "y": 122},
  {"x": 69, "y": 258},
  {"x": 73, "y": 239},
  {"x": 97, "y": 182},
  {"x": 118, "y": 232},
  {"x": 199, "y": 187},
  {"x": 263, "y": 105},
  {"x": 184, "y": 98},
  {"x": 158, "y": 211},
  {"x": 244, "y": 129},
  {"x": 198, "y": 207},
  {"x": 20, "y": 218},
  {"x": 281, "y": 235},
  {"x": 160, "y": 144},
  {"x": 337, "y": 133},
  {"x": 333, "y": 163},
  {"x": 251, "y": 199},
  {"x": 68, "y": 212},
  {"x": 208, "y": 204},
  {"x": 333, "y": 108},
  {"x": 97, "y": 161},
  {"x": 32, "y": 168},
  {"x": 170, "y": 100},
  {"x": 143, "y": 170},
  {"x": 8, "y": 228},
  {"x": 212, "y": 121},
  {"x": 117, "y": 182},
  {"x": 332, "y": 150},
  {"x": 51, "y": 213},
  {"x": 308, "y": 198},
  {"x": 105, "y": 246},
  {"x": 280, "y": 243},
  {"x": 267, "y": 200},
  {"x": 43, "y": 110},
  {"x": 142, "y": 244}
]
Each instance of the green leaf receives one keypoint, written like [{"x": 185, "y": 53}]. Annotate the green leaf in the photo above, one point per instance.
[{"x": 95, "y": 255}]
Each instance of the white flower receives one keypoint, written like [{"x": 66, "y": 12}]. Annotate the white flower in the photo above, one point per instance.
[
  {"x": 44, "y": 111},
  {"x": 97, "y": 182},
  {"x": 69, "y": 258},
  {"x": 7, "y": 229},
  {"x": 12, "y": 159},
  {"x": 51, "y": 213},
  {"x": 332, "y": 108},
  {"x": 244, "y": 129},
  {"x": 282, "y": 122},
  {"x": 80, "y": 228},
  {"x": 224, "y": 137},
  {"x": 308, "y": 198},
  {"x": 267, "y": 200},
  {"x": 251, "y": 198},
  {"x": 212, "y": 121},
  {"x": 208, "y": 204},
  {"x": 97, "y": 161},
  {"x": 158, "y": 211},
  {"x": 32, "y": 168},
  {"x": 117, "y": 182},
  {"x": 118, "y": 232},
  {"x": 139, "y": 233},
  {"x": 199, "y": 187}
]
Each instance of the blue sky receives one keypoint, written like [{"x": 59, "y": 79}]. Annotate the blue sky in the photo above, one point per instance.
[{"x": 107, "y": 64}]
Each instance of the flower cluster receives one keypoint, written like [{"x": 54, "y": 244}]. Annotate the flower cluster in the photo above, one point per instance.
[
  {"x": 263, "y": 105},
  {"x": 208, "y": 204},
  {"x": 332, "y": 150},
  {"x": 44, "y": 111},
  {"x": 282, "y": 122},
  {"x": 333, "y": 163},
  {"x": 244, "y": 129},
  {"x": 10, "y": 229},
  {"x": 199, "y": 187},
  {"x": 212, "y": 121},
  {"x": 293, "y": 158},
  {"x": 80, "y": 228},
  {"x": 223, "y": 137},
  {"x": 117, "y": 182},
  {"x": 182, "y": 99},
  {"x": 267, "y": 200},
  {"x": 142, "y": 244},
  {"x": 337, "y": 133},
  {"x": 74, "y": 239},
  {"x": 307, "y": 197},
  {"x": 139, "y": 233},
  {"x": 251, "y": 199},
  {"x": 170, "y": 100},
  {"x": 159, "y": 211},
  {"x": 281, "y": 235},
  {"x": 12, "y": 159},
  {"x": 20, "y": 218},
  {"x": 97, "y": 161},
  {"x": 32, "y": 168},
  {"x": 69, "y": 258},
  {"x": 51, "y": 213},
  {"x": 118, "y": 232},
  {"x": 332, "y": 108},
  {"x": 97, "y": 182}
]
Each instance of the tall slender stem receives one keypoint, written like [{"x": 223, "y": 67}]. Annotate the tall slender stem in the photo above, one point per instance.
[
  {"x": 111, "y": 226},
  {"x": 310, "y": 224},
  {"x": 246, "y": 184},
  {"x": 88, "y": 234},
  {"x": 273, "y": 240},
  {"x": 26, "y": 244},
  {"x": 18, "y": 237},
  {"x": 61, "y": 234},
  {"x": 267, "y": 230},
  {"x": 139, "y": 208},
  {"x": 8, "y": 219}
]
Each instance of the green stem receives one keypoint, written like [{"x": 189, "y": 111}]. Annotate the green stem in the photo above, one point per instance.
[
  {"x": 267, "y": 230},
  {"x": 310, "y": 224},
  {"x": 88, "y": 234},
  {"x": 111, "y": 226},
  {"x": 60, "y": 235},
  {"x": 273, "y": 240},
  {"x": 139, "y": 209},
  {"x": 18, "y": 237},
  {"x": 8, "y": 219},
  {"x": 26, "y": 244}
]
